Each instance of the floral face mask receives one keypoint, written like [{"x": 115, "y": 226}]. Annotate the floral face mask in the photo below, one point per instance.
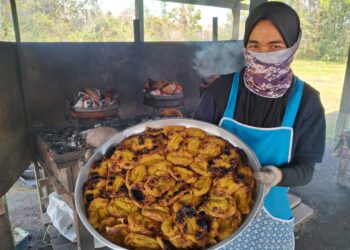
[{"x": 268, "y": 74}]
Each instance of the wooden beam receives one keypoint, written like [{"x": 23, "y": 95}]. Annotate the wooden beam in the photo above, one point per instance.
[
  {"x": 244, "y": 6},
  {"x": 137, "y": 31},
  {"x": 85, "y": 240},
  {"x": 139, "y": 16},
  {"x": 214, "y": 3},
  {"x": 39, "y": 187},
  {"x": 345, "y": 99},
  {"x": 15, "y": 20},
  {"x": 215, "y": 29},
  {"x": 236, "y": 13},
  {"x": 344, "y": 110},
  {"x": 5, "y": 228}
]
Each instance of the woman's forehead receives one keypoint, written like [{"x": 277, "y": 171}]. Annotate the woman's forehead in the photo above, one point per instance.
[{"x": 265, "y": 31}]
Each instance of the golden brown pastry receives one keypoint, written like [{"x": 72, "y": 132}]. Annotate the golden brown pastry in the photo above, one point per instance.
[
  {"x": 97, "y": 211},
  {"x": 187, "y": 200},
  {"x": 196, "y": 133},
  {"x": 117, "y": 233},
  {"x": 156, "y": 212},
  {"x": 168, "y": 130},
  {"x": 202, "y": 186},
  {"x": 243, "y": 197},
  {"x": 181, "y": 158},
  {"x": 93, "y": 189},
  {"x": 139, "y": 223},
  {"x": 140, "y": 241},
  {"x": 227, "y": 226},
  {"x": 121, "y": 207},
  {"x": 169, "y": 228},
  {"x": 174, "y": 194},
  {"x": 247, "y": 173},
  {"x": 156, "y": 186},
  {"x": 139, "y": 195},
  {"x": 160, "y": 168},
  {"x": 183, "y": 174},
  {"x": 200, "y": 167},
  {"x": 171, "y": 187},
  {"x": 220, "y": 206},
  {"x": 135, "y": 175},
  {"x": 227, "y": 184}
]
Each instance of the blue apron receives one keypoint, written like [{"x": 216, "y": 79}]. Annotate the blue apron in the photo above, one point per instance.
[{"x": 273, "y": 227}]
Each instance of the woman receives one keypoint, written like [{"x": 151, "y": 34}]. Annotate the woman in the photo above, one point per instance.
[{"x": 279, "y": 116}]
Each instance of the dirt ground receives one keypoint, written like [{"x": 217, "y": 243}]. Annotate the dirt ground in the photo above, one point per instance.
[
  {"x": 24, "y": 213},
  {"x": 329, "y": 229}
]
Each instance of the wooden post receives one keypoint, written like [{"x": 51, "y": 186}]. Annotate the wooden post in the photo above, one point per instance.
[
  {"x": 344, "y": 111},
  {"x": 215, "y": 28},
  {"x": 137, "y": 31},
  {"x": 39, "y": 188},
  {"x": 236, "y": 12},
  {"x": 139, "y": 16},
  {"x": 85, "y": 240},
  {"x": 15, "y": 20},
  {"x": 255, "y": 3},
  {"x": 6, "y": 238}
]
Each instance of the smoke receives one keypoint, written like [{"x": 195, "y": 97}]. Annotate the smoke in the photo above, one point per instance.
[{"x": 219, "y": 58}]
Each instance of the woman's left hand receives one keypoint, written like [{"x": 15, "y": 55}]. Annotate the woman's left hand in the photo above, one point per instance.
[{"x": 269, "y": 175}]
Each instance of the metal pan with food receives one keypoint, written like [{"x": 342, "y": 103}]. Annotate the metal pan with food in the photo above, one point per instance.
[{"x": 170, "y": 183}]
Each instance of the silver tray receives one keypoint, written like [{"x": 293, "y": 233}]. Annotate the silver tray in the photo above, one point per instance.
[{"x": 209, "y": 128}]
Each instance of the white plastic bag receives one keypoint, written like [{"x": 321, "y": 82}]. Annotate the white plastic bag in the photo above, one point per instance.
[{"x": 61, "y": 216}]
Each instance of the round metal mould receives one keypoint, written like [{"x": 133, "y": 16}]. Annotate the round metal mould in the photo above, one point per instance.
[{"x": 209, "y": 128}]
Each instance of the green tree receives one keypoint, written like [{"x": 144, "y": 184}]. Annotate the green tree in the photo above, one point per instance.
[
  {"x": 68, "y": 20},
  {"x": 6, "y": 25},
  {"x": 177, "y": 24},
  {"x": 326, "y": 28}
]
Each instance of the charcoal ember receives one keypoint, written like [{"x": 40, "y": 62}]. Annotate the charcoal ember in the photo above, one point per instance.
[
  {"x": 62, "y": 140},
  {"x": 169, "y": 89},
  {"x": 69, "y": 138}
]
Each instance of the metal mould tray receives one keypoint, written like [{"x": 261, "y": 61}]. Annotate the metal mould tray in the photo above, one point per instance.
[{"x": 209, "y": 128}]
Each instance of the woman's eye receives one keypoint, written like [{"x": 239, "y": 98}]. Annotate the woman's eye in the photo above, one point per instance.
[
  {"x": 252, "y": 46},
  {"x": 277, "y": 47}
]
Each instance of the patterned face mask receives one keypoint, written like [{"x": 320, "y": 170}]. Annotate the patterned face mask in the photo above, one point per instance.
[{"x": 268, "y": 74}]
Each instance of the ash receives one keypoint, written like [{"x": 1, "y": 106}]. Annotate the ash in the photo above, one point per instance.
[
  {"x": 62, "y": 139},
  {"x": 72, "y": 137}
]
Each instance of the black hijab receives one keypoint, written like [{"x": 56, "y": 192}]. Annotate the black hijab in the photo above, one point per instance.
[{"x": 281, "y": 15}]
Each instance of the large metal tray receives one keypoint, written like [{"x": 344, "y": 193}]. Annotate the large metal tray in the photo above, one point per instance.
[{"x": 209, "y": 128}]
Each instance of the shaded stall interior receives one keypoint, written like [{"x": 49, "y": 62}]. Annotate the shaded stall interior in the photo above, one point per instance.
[{"x": 38, "y": 79}]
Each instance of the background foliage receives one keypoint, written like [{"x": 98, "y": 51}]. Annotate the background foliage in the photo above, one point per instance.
[{"x": 325, "y": 24}]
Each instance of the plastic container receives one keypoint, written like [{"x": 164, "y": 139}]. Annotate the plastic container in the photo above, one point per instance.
[{"x": 21, "y": 238}]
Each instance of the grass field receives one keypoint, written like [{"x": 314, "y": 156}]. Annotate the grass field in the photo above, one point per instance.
[{"x": 328, "y": 79}]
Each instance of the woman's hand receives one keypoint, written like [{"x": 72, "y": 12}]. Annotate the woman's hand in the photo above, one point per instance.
[{"x": 270, "y": 176}]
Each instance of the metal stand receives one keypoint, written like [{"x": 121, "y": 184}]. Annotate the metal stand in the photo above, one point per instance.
[{"x": 156, "y": 110}]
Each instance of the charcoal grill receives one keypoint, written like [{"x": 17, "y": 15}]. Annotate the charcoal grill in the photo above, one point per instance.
[{"x": 163, "y": 101}]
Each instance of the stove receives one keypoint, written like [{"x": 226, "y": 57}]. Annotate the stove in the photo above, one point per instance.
[{"x": 161, "y": 95}]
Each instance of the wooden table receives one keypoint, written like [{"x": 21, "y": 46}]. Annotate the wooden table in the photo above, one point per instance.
[{"x": 60, "y": 174}]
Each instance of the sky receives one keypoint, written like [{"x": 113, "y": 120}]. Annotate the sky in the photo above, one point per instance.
[{"x": 116, "y": 6}]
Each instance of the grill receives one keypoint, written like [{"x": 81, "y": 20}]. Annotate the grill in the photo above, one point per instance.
[{"x": 161, "y": 101}]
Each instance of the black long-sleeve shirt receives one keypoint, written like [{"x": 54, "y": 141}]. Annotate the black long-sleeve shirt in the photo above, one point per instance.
[{"x": 251, "y": 109}]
